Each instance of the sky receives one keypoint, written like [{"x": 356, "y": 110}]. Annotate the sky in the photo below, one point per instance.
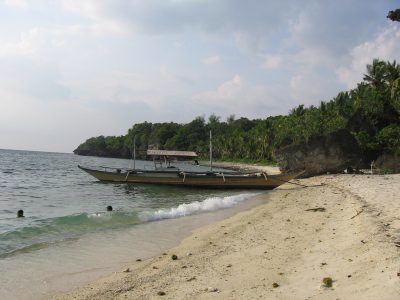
[{"x": 73, "y": 69}]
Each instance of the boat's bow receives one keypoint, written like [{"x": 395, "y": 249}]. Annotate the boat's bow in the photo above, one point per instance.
[{"x": 106, "y": 175}]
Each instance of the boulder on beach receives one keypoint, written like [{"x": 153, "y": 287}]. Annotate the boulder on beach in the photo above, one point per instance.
[
  {"x": 388, "y": 162},
  {"x": 332, "y": 153}
]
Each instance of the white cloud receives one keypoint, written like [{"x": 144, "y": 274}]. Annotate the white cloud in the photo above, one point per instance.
[
  {"x": 302, "y": 89},
  {"x": 39, "y": 41},
  {"x": 178, "y": 44},
  {"x": 90, "y": 9},
  {"x": 230, "y": 88},
  {"x": 386, "y": 46},
  {"x": 17, "y": 3},
  {"x": 227, "y": 91},
  {"x": 239, "y": 97},
  {"x": 249, "y": 24},
  {"x": 272, "y": 61},
  {"x": 109, "y": 27},
  {"x": 310, "y": 88},
  {"x": 212, "y": 60},
  {"x": 102, "y": 23},
  {"x": 25, "y": 46}
]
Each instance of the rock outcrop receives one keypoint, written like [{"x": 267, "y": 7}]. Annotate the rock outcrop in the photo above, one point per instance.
[
  {"x": 332, "y": 153},
  {"x": 388, "y": 162}
]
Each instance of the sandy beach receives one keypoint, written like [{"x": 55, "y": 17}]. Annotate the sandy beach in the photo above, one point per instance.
[{"x": 342, "y": 227}]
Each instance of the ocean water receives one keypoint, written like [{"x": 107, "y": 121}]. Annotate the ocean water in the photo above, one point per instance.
[{"x": 67, "y": 237}]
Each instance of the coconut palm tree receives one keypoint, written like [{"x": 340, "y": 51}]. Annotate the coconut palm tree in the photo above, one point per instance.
[
  {"x": 394, "y": 15},
  {"x": 375, "y": 73}
]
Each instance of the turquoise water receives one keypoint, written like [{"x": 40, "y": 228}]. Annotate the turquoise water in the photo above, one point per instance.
[{"x": 65, "y": 214}]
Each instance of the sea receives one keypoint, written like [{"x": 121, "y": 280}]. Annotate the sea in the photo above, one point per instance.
[{"x": 68, "y": 238}]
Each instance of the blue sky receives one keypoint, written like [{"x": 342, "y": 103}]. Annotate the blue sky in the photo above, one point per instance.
[{"x": 71, "y": 69}]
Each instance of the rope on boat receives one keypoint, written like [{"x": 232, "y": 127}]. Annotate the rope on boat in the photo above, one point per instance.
[
  {"x": 265, "y": 176},
  {"x": 127, "y": 174},
  {"x": 288, "y": 181}
]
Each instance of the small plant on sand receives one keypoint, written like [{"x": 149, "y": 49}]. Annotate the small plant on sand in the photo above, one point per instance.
[
  {"x": 327, "y": 282},
  {"x": 174, "y": 257}
]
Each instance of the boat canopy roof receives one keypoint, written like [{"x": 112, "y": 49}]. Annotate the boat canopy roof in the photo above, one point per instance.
[{"x": 171, "y": 153}]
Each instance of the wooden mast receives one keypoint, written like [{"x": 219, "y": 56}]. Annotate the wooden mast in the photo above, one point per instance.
[
  {"x": 134, "y": 152},
  {"x": 211, "y": 168}
]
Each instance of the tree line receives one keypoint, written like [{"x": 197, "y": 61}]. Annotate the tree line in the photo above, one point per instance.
[{"x": 371, "y": 112}]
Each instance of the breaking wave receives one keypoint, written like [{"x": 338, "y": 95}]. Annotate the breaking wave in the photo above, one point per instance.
[{"x": 187, "y": 209}]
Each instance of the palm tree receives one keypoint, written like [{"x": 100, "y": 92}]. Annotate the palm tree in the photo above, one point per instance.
[
  {"x": 394, "y": 15},
  {"x": 392, "y": 78},
  {"x": 375, "y": 73}
]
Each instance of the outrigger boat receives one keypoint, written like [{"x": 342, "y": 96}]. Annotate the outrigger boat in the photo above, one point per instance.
[{"x": 170, "y": 175}]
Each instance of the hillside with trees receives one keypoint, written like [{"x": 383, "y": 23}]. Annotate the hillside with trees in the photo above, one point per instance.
[{"x": 371, "y": 112}]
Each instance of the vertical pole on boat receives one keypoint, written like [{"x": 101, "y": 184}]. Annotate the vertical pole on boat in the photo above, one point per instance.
[
  {"x": 210, "y": 151},
  {"x": 134, "y": 152}
]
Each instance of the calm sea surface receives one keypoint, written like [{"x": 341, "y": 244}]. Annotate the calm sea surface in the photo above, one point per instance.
[{"x": 67, "y": 237}]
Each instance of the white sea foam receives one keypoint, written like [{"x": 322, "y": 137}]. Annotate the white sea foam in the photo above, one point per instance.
[
  {"x": 100, "y": 216},
  {"x": 187, "y": 209}
]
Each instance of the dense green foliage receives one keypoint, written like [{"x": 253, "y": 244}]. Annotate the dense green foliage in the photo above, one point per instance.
[
  {"x": 370, "y": 111},
  {"x": 394, "y": 15}
]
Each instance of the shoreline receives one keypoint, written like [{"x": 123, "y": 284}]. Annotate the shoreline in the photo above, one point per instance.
[{"x": 279, "y": 250}]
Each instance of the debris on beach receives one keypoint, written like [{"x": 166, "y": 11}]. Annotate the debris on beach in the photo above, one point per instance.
[
  {"x": 320, "y": 209},
  {"x": 161, "y": 293},
  {"x": 125, "y": 289},
  {"x": 358, "y": 212},
  {"x": 212, "y": 289},
  {"x": 275, "y": 285},
  {"x": 327, "y": 282},
  {"x": 174, "y": 257},
  {"x": 127, "y": 270}
]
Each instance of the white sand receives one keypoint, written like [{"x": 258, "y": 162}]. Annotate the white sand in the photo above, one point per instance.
[
  {"x": 271, "y": 170},
  {"x": 352, "y": 242}
]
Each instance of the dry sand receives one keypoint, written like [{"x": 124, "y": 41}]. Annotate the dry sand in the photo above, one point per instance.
[
  {"x": 280, "y": 250},
  {"x": 271, "y": 170}
]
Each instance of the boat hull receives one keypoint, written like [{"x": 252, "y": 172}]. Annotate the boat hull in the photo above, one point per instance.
[{"x": 193, "y": 179}]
